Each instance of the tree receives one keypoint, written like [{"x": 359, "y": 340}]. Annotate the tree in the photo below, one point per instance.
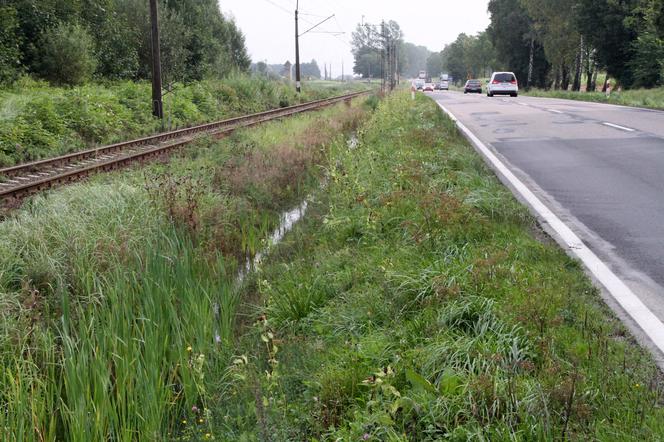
[
  {"x": 435, "y": 64},
  {"x": 605, "y": 25},
  {"x": 67, "y": 55},
  {"x": 310, "y": 69},
  {"x": 367, "y": 44},
  {"x": 454, "y": 56},
  {"x": 647, "y": 63},
  {"x": 514, "y": 40},
  {"x": 197, "y": 41},
  {"x": 557, "y": 31},
  {"x": 415, "y": 59},
  {"x": 10, "y": 53}
]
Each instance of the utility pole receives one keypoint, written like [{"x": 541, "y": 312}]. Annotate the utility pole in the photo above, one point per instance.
[
  {"x": 157, "y": 106},
  {"x": 382, "y": 56},
  {"x": 297, "y": 50},
  {"x": 396, "y": 62},
  {"x": 297, "y": 43}
]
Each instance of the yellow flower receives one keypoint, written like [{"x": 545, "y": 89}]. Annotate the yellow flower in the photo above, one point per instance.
[
  {"x": 189, "y": 349},
  {"x": 200, "y": 421},
  {"x": 208, "y": 435},
  {"x": 184, "y": 421}
]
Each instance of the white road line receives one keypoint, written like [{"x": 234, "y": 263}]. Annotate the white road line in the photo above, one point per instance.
[
  {"x": 523, "y": 104},
  {"x": 646, "y": 319},
  {"x": 628, "y": 129},
  {"x": 555, "y": 111}
]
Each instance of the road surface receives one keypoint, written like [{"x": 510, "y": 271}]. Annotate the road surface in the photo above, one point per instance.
[{"x": 599, "y": 167}]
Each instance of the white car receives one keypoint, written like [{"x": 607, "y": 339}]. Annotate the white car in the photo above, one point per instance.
[
  {"x": 444, "y": 85},
  {"x": 502, "y": 83}
]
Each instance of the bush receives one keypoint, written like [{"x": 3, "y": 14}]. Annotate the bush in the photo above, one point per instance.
[
  {"x": 67, "y": 55},
  {"x": 648, "y": 61},
  {"x": 10, "y": 55}
]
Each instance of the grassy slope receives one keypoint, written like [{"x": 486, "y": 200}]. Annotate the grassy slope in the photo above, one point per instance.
[
  {"x": 417, "y": 304},
  {"x": 649, "y": 98},
  {"x": 38, "y": 121},
  {"x": 107, "y": 288}
]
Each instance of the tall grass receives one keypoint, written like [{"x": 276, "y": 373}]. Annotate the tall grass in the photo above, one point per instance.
[
  {"x": 38, "y": 121},
  {"x": 416, "y": 304},
  {"x": 649, "y": 98},
  {"x": 118, "y": 297}
]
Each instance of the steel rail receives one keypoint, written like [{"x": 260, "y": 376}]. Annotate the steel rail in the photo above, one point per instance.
[{"x": 63, "y": 169}]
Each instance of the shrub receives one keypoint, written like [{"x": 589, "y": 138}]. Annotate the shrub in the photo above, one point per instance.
[
  {"x": 10, "y": 56},
  {"x": 67, "y": 55}
]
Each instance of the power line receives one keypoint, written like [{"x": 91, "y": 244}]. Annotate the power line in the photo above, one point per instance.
[{"x": 277, "y": 5}]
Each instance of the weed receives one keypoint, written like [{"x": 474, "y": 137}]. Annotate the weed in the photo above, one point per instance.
[{"x": 418, "y": 306}]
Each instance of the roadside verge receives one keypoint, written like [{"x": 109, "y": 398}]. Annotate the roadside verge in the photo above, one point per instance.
[
  {"x": 572, "y": 244},
  {"x": 419, "y": 301}
]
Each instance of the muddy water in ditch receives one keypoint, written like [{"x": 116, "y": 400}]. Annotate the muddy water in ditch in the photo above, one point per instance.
[{"x": 288, "y": 220}]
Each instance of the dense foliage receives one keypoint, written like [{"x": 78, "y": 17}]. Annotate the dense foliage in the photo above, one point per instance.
[
  {"x": 560, "y": 42},
  {"x": 69, "y": 41},
  {"x": 369, "y": 45},
  {"x": 39, "y": 121}
]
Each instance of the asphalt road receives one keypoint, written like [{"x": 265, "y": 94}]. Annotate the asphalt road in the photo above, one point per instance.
[{"x": 599, "y": 167}]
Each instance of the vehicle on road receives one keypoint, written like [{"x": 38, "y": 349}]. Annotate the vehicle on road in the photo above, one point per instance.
[
  {"x": 428, "y": 87},
  {"x": 472, "y": 86},
  {"x": 422, "y": 75},
  {"x": 419, "y": 84},
  {"x": 502, "y": 83},
  {"x": 444, "y": 85}
]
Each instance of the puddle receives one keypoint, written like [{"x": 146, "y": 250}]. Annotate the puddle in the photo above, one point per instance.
[{"x": 287, "y": 221}]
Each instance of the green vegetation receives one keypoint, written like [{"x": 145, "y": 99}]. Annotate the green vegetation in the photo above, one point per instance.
[
  {"x": 68, "y": 42},
  {"x": 118, "y": 296},
  {"x": 650, "y": 98},
  {"x": 416, "y": 303},
  {"x": 563, "y": 44},
  {"x": 38, "y": 121}
]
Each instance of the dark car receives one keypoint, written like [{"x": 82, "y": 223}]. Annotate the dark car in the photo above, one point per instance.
[{"x": 472, "y": 86}]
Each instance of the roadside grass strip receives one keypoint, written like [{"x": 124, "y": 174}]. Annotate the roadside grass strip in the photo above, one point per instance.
[
  {"x": 420, "y": 301},
  {"x": 646, "y": 98}
]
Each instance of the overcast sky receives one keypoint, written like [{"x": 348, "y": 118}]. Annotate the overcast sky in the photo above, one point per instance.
[{"x": 269, "y": 25}]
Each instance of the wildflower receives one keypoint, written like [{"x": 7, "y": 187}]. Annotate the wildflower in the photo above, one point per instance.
[
  {"x": 208, "y": 436},
  {"x": 366, "y": 436},
  {"x": 637, "y": 385},
  {"x": 189, "y": 349},
  {"x": 200, "y": 421},
  {"x": 194, "y": 409},
  {"x": 184, "y": 421}
]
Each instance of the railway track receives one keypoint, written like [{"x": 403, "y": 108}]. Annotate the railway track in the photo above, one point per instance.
[{"x": 19, "y": 181}]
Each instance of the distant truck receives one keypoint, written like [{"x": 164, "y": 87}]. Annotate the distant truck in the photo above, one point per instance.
[
  {"x": 444, "y": 77},
  {"x": 422, "y": 75}
]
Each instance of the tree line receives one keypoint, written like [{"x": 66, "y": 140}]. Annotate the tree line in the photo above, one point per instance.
[
  {"x": 562, "y": 44},
  {"x": 73, "y": 41}
]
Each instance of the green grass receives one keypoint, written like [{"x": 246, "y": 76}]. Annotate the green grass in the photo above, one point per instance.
[
  {"x": 415, "y": 303},
  {"x": 648, "y": 98},
  {"x": 109, "y": 289},
  {"x": 39, "y": 121}
]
